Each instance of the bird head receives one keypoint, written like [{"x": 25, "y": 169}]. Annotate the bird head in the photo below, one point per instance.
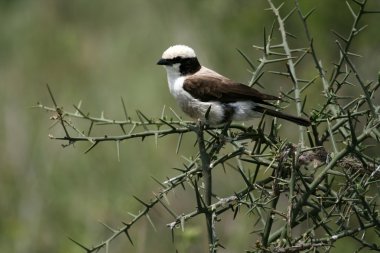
[{"x": 180, "y": 59}]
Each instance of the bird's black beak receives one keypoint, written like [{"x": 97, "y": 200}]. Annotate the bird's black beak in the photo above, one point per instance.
[{"x": 163, "y": 62}]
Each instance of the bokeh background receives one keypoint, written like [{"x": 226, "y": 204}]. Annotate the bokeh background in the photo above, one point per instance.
[{"x": 96, "y": 51}]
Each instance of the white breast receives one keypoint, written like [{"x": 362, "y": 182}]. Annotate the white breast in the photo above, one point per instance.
[{"x": 191, "y": 106}]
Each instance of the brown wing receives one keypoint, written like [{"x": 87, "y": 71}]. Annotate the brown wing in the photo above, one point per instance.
[{"x": 207, "y": 88}]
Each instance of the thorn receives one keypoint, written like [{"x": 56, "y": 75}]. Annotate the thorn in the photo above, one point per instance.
[
  {"x": 156, "y": 139},
  {"x": 290, "y": 14},
  {"x": 158, "y": 182},
  {"x": 151, "y": 222},
  {"x": 178, "y": 169},
  {"x": 179, "y": 143},
  {"x": 166, "y": 207},
  {"x": 183, "y": 186},
  {"x": 163, "y": 112},
  {"x": 220, "y": 245},
  {"x": 175, "y": 114},
  {"x": 172, "y": 232},
  {"x": 236, "y": 211},
  {"x": 303, "y": 104},
  {"x": 142, "y": 202},
  {"x": 265, "y": 42},
  {"x": 141, "y": 117},
  {"x": 132, "y": 129},
  {"x": 250, "y": 63},
  {"x": 80, "y": 112},
  {"x": 91, "y": 147},
  {"x": 131, "y": 214},
  {"x": 80, "y": 245},
  {"x": 200, "y": 202},
  {"x": 128, "y": 236},
  {"x": 182, "y": 224},
  {"x": 90, "y": 128},
  {"x": 272, "y": 29},
  {"x": 118, "y": 150},
  {"x": 51, "y": 95},
  {"x": 124, "y": 108},
  {"x": 168, "y": 124},
  {"x": 361, "y": 29},
  {"x": 246, "y": 180},
  {"x": 351, "y": 10},
  {"x": 108, "y": 227},
  {"x": 309, "y": 13},
  {"x": 79, "y": 105},
  {"x": 280, "y": 6},
  {"x": 122, "y": 128},
  {"x": 339, "y": 36}
]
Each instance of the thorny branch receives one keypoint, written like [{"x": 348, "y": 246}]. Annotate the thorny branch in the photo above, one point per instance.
[{"x": 330, "y": 189}]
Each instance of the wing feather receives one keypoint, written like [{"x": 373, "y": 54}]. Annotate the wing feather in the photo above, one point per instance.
[{"x": 209, "y": 88}]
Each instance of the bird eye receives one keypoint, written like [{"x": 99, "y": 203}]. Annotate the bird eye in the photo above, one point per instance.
[{"x": 177, "y": 59}]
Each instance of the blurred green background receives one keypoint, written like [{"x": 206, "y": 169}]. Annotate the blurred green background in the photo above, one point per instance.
[{"x": 97, "y": 51}]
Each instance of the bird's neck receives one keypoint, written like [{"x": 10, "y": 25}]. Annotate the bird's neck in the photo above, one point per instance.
[{"x": 189, "y": 66}]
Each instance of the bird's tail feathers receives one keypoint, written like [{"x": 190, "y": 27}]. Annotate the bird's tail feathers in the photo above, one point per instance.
[{"x": 282, "y": 115}]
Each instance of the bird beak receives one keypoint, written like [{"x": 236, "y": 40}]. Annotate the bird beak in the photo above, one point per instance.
[{"x": 163, "y": 62}]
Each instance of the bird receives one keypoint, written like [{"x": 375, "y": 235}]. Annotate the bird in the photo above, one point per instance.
[{"x": 212, "y": 98}]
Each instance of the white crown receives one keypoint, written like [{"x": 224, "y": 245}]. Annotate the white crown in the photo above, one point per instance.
[{"x": 178, "y": 51}]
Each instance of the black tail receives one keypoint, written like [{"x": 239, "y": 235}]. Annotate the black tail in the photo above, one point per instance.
[{"x": 291, "y": 118}]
